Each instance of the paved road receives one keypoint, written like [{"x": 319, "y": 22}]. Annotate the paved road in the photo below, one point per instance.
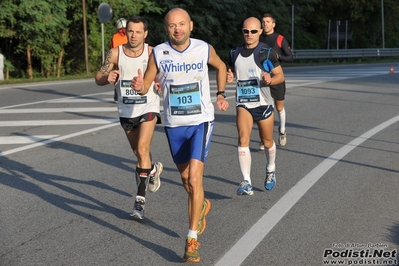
[{"x": 66, "y": 182}]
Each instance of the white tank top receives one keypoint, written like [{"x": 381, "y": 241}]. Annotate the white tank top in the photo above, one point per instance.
[
  {"x": 185, "y": 83},
  {"x": 251, "y": 91},
  {"x": 131, "y": 104}
]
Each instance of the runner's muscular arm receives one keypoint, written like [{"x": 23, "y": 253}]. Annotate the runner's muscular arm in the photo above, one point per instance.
[
  {"x": 277, "y": 74},
  {"x": 106, "y": 74},
  {"x": 221, "y": 73},
  {"x": 216, "y": 62},
  {"x": 157, "y": 86}
]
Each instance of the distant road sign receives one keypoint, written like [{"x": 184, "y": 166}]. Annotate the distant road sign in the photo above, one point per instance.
[{"x": 104, "y": 12}]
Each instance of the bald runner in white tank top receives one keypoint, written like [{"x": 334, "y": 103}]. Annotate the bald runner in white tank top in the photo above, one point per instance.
[
  {"x": 185, "y": 81},
  {"x": 251, "y": 91},
  {"x": 188, "y": 109}
]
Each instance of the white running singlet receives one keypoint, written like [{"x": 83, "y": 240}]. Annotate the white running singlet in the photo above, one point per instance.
[
  {"x": 185, "y": 83},
  {"x": 251, "y": 91},
  {"x": 130, "y": 103}
]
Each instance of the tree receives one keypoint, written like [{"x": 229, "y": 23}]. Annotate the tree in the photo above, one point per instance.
[
  {"x": 43, "y": 24},
  {"x": 365, "y": 19},
  {"x": 33, "y": 27},
  {"x": 120, "y": 8},
  {"x": 39, "y": 38}
]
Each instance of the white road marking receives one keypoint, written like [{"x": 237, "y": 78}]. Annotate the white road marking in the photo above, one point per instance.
[
  {"x": 51, "y": 101},
  {"x": 25, "y": 139},
  {"x": 44, "y": 83},
  {"x": 37, "y": 144},
  {"x": 84, "y": 100},
  {"x": 57, "y": 122},
  {"x": 59, "y": 110},
  {"x": 248, "y": 242}
]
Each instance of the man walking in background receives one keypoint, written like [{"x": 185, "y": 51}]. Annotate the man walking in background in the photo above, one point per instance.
[
  {"x": 281, "y": 46},
  {"x": 119, "y": 37}
]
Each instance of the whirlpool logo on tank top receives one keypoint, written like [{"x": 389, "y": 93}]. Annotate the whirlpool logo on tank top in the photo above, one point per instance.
[{"x": 169, "y": 66}]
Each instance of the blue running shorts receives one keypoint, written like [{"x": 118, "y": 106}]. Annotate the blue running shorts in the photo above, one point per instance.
[{"x": 190, "y": 142}]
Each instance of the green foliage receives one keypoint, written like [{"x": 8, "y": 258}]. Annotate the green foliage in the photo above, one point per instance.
[
  {"x": 55, "y": 31},
  {"x": 36, "y": 24},
  {"x": 8, "y": 65},
  {"x": 120, "y": 9},
  {"x": 365, "y": 19},
  {"x": 7, "y": 20}
]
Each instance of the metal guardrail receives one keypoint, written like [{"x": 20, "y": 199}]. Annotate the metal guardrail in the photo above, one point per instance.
[{"x": 345, "y": 53}]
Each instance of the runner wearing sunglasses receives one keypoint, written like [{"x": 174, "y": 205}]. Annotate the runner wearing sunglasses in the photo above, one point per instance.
[{"x": 255, "y": 66}]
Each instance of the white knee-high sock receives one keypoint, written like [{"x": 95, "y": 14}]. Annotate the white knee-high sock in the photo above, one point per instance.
[
  {"x": 271, "y": 158},
  {"x": 244, "y": 160},
  {"x": 281, "y": 116}
]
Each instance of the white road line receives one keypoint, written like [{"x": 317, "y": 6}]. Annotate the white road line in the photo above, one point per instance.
[
  {"x": 57, "y": 122},
  {"x": 85, "y": 100},
  {"x": 37, "y": 144},
  {"x": 304, "y": 84},
  {"x": 54, "y": 100},
  {"x": 25, "y": 139},
  {"x": 340, "y": 73},
  {"x": 59, "y": 110},
  {"x": 44, "y": 83},
  {"x": 244, "y": 246}
]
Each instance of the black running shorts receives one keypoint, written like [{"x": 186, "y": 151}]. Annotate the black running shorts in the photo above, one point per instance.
[
  {"x": 132, "y": 123},
  {"x": 278, "y": 91}
]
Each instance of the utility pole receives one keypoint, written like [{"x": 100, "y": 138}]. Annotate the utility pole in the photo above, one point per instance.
[
  {"x": 292, "y": 25},
  {"x": 85, "y": 36},
  {"x": 382, "y": 19},
  {"x": 104, "y": 14},
  {"x": 338, "y": 23}
]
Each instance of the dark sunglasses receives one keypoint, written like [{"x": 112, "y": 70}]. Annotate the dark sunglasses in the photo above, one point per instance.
[{"x": 246, "y": 31}]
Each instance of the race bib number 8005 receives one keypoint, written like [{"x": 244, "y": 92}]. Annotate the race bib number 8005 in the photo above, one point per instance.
[{"x": 130, "y": 96}]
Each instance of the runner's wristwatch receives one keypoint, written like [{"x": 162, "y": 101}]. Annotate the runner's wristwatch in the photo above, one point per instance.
[{"x": 223, "y": 93}]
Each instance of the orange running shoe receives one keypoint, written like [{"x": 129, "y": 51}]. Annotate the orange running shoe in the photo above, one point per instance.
[
  {"x": 202, "y": 221},
  {"x": 191, "y": 253}
]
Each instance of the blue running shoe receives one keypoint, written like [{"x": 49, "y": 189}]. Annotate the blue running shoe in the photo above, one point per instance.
[
  {"x": 270, "y": 180},
  {"x": 245, "y": 188}
]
